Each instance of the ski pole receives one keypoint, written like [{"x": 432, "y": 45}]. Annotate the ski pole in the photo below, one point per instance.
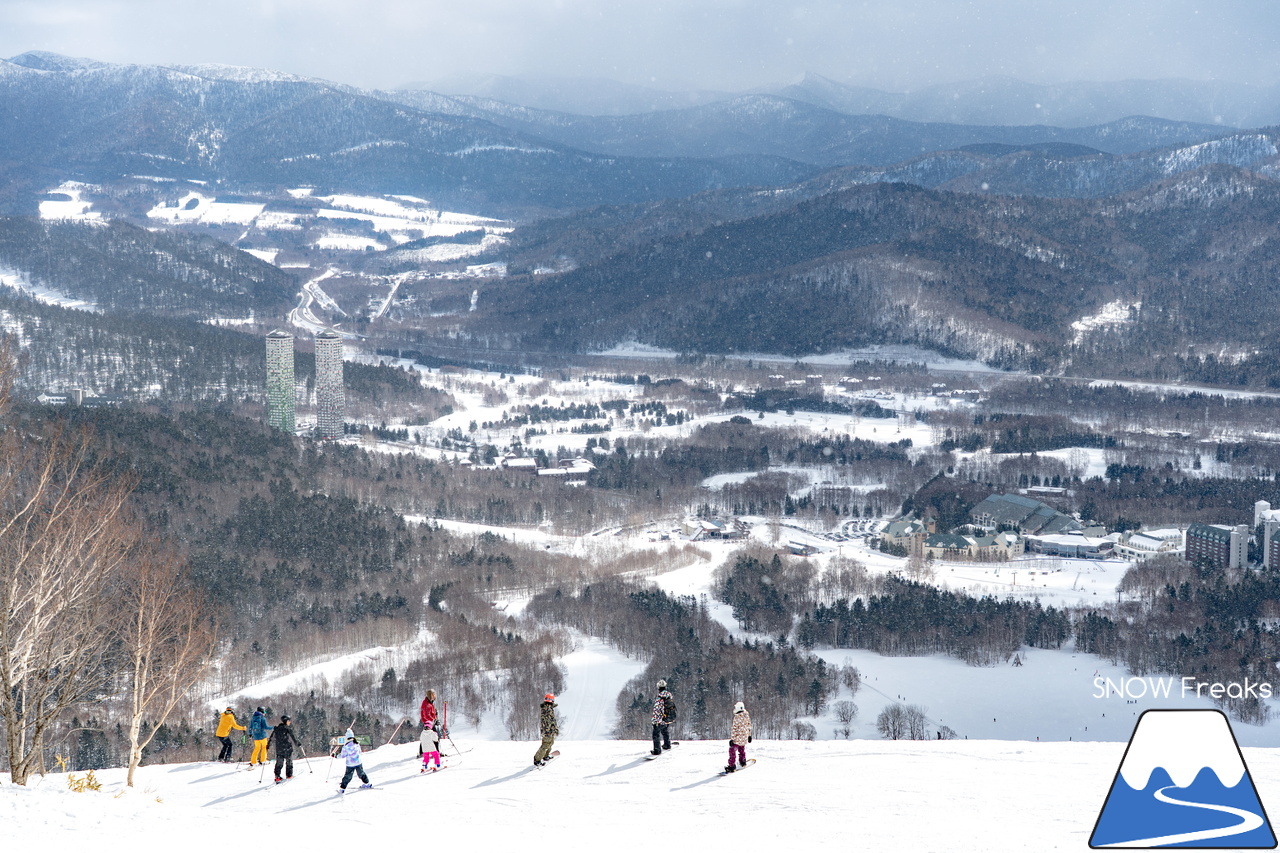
[
  {"x": 304, "y": 758},
  {"x": 262, "y": 772},
  {"x": 397, "y": 731}
]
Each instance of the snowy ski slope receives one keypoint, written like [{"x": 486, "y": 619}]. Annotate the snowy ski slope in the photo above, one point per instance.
[{"x": 955, "y": 796}]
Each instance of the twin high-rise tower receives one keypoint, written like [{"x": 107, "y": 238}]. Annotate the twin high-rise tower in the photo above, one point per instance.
[
  {"x": 331, "y": 402},
  {"x": 330, "y": 398},
  {"x": 280, "y": 394}
]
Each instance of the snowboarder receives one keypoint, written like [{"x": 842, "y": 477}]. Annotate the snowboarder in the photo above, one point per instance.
[
  {"x": 548, "y": 727},
  {"x": 739, "y": 737},
  {"x": 430, "y": 747},
  {"x": 285, "y": 740},
  {"x": 664, "y": 714},
  {"x": 225, "y": 726},
  {"x": 350, "y": 752},
  {"x": 259, "y": 732}
]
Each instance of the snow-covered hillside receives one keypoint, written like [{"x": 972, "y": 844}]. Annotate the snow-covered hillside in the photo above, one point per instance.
[{"x": 955, "y": 796}]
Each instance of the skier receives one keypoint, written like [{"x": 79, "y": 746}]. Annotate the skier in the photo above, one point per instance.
[
  {"x": 225, "y": 726},
  {"x": 350, "y": 752},
  {"x": 285, "y": 741},
  {"x": 259, "y": 733},
  {"x": 739, "y": 737},
  {"x": 664, "y": 714},
  {"x": 429, "y": 744},
  {"x": 548, "y": 727},
  {"x": 428, "y": 713},
  {"x": 430, "y": 720}
]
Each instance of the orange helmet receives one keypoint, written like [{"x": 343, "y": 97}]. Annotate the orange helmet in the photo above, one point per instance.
[{"x": 550, "y": 697}]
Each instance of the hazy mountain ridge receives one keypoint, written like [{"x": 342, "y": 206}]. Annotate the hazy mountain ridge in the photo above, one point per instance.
[
  {"x": 62, "y": 117},
  {"x": 98, "y": 122},
  {"x": 998, "y": 278},
  {"x": 1008, "y": 101},
  {"x": 797, "y": 130}
]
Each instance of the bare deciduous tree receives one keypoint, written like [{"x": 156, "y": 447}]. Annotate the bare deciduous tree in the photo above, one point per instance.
[
  {"x": 892, "y": 722},
  {"x": 845, "y": 712},
  {"x": 63, "y": 541},
  {"x": 169, "y": 639}
]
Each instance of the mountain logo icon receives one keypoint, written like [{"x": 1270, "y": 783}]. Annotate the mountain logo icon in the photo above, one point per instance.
[{"x": 1183, "y": 783}]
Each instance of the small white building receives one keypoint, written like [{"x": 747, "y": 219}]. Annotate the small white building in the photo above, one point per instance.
[{"x": 1141, "y": 546}]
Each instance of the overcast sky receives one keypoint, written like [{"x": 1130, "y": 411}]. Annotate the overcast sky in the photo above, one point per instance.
[{"x": 730, "y": 45}]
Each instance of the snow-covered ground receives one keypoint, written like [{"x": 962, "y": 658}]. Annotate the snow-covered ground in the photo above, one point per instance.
[
  {"x": 19, "y": 281},
  {"x": 595, "y": 674},
  {"x": 900, "y": 353},
  {"x": 197, "y": 207},
  {"x": 72, "y": 207},
  {"x": 975, "y": 796}
]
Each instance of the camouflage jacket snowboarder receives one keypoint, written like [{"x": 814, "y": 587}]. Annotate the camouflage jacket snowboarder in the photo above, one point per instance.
[{"x": 547, "y": 724}]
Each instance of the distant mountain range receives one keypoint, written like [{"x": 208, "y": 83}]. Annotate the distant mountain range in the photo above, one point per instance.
[
  {"x": 987, "y": 101},
  {"x": 66, "y": 118},
  {"x": 773, "y": 126},
  {"x": 62, "y": 118},
  {"x": 756, "y": 223}
]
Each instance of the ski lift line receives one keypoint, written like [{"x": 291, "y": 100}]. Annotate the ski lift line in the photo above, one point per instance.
[{"x": 927, "y": 718}]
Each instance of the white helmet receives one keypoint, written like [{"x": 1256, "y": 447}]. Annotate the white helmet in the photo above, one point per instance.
[{"x": 739, "y": 708}]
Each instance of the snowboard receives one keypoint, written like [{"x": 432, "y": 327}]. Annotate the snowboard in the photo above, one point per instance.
[
  {"x": 750, "y": 761},
  {"x": 550, "y": 757},
  {"x": 649, "y": 755}
]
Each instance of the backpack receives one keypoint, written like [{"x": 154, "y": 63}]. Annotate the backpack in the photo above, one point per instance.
[{"x": 668, "y": 709}]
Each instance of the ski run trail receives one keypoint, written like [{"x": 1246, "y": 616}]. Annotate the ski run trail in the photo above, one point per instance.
[{"x": 960, "y": 796}]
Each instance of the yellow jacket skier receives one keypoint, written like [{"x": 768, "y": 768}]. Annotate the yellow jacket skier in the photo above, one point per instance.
[{"x": 225, "y": 725}]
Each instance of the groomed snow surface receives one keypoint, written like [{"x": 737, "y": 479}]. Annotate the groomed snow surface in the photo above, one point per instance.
[{"x": 954, "y": 796}]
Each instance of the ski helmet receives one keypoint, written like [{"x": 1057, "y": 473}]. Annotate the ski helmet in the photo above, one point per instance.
[
  {"x": 662, "y": 684},
  {"x": 739, "y": 708},
  {"x": 284, "y": 718},
  {"x": 550, "y": 697}
]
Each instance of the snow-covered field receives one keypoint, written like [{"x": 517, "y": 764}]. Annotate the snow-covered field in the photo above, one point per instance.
[
  {"x": 971, "y": 796},
  {"x": 72, "y": 207}
]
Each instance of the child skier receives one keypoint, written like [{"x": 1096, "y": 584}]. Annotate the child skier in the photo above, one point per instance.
[
  {"x": 430, "y": 743},
  {"x": 350, "y": 752},
  {"x": 548, "y": 727},
  {"x": 739, "y": 737}
]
